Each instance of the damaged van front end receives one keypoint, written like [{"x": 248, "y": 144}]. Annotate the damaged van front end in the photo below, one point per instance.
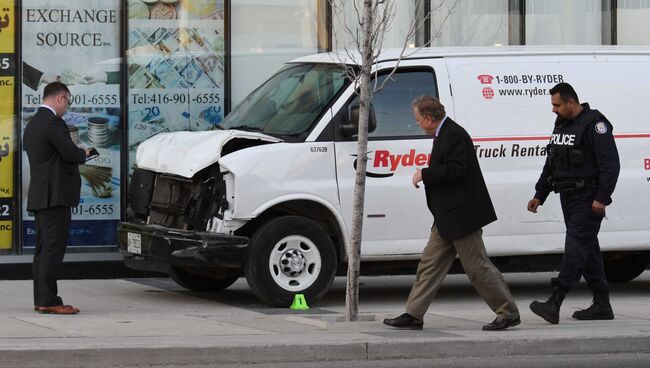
[
  {"x": 258, "y": 197},
  {"x": 181, "y": 211}
]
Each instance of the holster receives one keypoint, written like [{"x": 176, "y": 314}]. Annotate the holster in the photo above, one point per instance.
[{"x": 572, "y": 185}]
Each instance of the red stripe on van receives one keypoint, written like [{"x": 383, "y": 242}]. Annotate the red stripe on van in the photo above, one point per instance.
[
  {"x": 498, "y": 139},
  {"x": 546, "y": 138},
  {"x": 631, "y": 135}
]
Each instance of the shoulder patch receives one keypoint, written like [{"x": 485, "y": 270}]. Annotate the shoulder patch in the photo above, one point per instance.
[{"x": 601, "y": 127}]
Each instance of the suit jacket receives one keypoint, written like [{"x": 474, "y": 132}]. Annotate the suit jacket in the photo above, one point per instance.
[
  {"x": 455, "y": 189},
  {"x": 53, "y": 162}
]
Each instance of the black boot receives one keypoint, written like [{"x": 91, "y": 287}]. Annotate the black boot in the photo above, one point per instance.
[
  {"x": 550, "y": 309},
  {"x": 600, "y": 309}
]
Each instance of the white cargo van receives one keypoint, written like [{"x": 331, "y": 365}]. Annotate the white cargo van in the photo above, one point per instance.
[{"x": 270, "y": 195}]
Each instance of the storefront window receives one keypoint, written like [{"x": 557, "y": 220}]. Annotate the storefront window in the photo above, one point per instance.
[
  {"x": 265, "y": 35},
  {"x": 345, "y": 25},
  {"x": 175, "y": 66},
  {"x": 77, "y": 42},
  {"x": 632, "y": 23},
  {"x": 560, "y": 22},
  {"x": 7, "y": 135},
  {"x": 469, "y": 23}
]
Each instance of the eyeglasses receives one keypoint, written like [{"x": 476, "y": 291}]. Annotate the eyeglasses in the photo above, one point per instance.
[{"x": 68, "y": 100}]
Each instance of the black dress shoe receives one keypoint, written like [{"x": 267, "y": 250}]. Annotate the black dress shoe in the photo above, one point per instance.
[
  {"x": 405, "y": 321},
  {"x": 501, "y": 323}
]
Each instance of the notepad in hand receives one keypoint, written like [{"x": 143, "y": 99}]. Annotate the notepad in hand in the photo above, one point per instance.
[{"x": 92, "y": 154}]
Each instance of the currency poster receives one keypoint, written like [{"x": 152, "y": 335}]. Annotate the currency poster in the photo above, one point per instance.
[
  {"x": 77, "y": 42},
  {"x": 7, "y": 146},
  {"x": 175, "y": 60}
]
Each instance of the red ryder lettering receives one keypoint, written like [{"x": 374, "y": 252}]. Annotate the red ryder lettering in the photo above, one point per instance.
[{"x": 383, "y": 158}]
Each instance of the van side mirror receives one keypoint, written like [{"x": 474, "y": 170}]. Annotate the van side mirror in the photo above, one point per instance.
[{"x": 351, "y": 127}]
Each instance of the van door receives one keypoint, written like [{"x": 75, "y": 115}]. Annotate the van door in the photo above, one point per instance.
[
  {"x": 504, "y": 104},
  {"x": 396, "y": 218}
]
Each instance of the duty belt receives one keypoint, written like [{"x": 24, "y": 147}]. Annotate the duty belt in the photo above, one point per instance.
[{"x": 572, "y": 185}]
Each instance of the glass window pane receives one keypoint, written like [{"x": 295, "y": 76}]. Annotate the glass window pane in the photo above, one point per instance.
[
  {"x": 392, "y": 104},
  {"x": 77, "y": 42},
  {"x": 469, "y": 23},
  {"x": 290, "y": 101},
  {"x": 632, "y": 23},
  {"x": 175, "y": 58},
  {"x": 561, "y": 22},
  {"x": 265, "y": 35},
  {"x": 346, "y": 16}
]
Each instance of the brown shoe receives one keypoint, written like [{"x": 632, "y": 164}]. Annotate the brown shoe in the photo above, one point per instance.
[
  {"x": 59, "y": 309},
  {"x": 38, "y": 309}
]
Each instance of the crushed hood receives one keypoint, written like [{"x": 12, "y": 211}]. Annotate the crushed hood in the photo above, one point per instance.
[{"x": 186, "y": 153}]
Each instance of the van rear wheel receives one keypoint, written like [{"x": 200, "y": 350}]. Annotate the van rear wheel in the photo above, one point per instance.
[
  {"x": 204, "y": 279},
  {"x": 290, "y": 255},
  {"x": 624, "y": 268}
]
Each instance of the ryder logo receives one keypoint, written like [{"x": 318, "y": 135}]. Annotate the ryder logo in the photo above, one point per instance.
[{"x": 386, "y": 163}]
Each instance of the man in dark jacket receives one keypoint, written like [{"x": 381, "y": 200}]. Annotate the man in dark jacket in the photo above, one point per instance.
[
  {"x": 53, "y": 189},
  {"x": 583, "y": 166},
  {"x": 461, "y": 206}
]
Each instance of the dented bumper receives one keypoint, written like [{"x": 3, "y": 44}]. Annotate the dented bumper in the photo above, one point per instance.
[{"x": 155, "y": 248}]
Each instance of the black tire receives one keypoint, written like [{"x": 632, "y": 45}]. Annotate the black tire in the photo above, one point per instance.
[
  {"x": 278, "y": 283},
  {"x": 624, "y": 269},
  {"x": 204, "y": 279}
]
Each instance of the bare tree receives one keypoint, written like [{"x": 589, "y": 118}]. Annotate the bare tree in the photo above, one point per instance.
[{"x": 374, "y": 18}]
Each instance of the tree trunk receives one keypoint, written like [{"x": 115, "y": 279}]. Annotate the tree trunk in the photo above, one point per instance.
[{"x": 352, "y": 290}]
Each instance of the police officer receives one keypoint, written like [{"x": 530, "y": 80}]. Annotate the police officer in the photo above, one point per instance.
[{"x": 582, "y": 165}]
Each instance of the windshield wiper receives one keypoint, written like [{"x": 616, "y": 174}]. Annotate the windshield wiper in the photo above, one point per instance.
[{"x": 248, "y": 128}]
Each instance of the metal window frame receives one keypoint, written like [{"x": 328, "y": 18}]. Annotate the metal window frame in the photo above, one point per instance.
[{"x": 609, "y": 23}]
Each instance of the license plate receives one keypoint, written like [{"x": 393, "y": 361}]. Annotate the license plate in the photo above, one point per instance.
[{"x": 134, "y": 243}]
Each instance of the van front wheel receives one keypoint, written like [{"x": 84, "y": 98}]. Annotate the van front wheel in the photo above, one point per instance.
[{"x": 290, "y": 255}]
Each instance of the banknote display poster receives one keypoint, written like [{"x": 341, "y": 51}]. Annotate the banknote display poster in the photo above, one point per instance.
[
  {"x": 175, "y": 57},
  {"x": 7, "y": 144},
  {"x": 77, "y": 42}
]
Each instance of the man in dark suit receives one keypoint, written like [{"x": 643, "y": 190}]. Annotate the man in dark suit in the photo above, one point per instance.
[
  {"x": 460, "y": 203},
  {"x": 53, "y": 189}
]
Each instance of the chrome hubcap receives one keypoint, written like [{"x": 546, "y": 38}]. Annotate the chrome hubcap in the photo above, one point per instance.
[{"x": 295, "y": 263}]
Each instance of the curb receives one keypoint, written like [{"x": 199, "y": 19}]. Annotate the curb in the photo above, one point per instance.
[
  {"x": 491, "y": 348},
  {"x": 359, "y": 351}
]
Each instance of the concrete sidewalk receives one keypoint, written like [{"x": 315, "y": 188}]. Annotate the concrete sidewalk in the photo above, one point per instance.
[{"x": 128, "y": 322}]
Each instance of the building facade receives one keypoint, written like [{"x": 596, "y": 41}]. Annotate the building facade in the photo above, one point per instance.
[{"x": 140, "y": 67}]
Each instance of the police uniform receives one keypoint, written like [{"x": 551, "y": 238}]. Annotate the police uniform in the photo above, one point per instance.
[{"x": 582, "y": 165}]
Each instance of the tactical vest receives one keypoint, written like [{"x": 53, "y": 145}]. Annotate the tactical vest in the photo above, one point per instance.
[{"x": 570, "y": 155}]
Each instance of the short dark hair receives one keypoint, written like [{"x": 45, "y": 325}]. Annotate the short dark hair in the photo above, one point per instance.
[
  {"x": 55, "y": 88},
  {"x": 566, "y": 92},
  {"x": 429, "y": 106}
]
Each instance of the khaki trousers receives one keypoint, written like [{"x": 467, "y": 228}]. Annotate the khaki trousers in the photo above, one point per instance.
[{"x": 437, "y": 258}]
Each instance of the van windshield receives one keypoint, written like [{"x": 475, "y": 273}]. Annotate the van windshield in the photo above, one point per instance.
[{"x": 290, "y": 101}]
